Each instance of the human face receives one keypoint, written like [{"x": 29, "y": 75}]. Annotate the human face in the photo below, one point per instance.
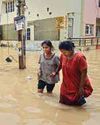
[
  {"x": 65, "y": 52},
  {"x": 46, "y": 48}
]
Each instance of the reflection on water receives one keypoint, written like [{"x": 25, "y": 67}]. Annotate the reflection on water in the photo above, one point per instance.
[
  {"x": 20, "y": 104},
  {"x": 9, "y": 119},
  {"x": 94, "y": 120},
  {"x": 40, "y": 122},
  {"x": 32, "y": 109}
]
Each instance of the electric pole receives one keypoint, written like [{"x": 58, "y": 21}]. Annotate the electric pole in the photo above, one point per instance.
[{"x": 21, "y": 34}]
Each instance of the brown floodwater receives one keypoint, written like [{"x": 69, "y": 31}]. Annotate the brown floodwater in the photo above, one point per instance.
[{"x": 20, "y": 104}]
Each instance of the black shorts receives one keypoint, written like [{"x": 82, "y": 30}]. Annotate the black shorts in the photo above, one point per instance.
[{"x": 42, "y": 84}]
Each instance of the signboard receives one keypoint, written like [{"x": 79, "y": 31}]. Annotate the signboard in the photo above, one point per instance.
[
  {"x": 60, "y": 22},
  {"x": 19, "y": 22}
]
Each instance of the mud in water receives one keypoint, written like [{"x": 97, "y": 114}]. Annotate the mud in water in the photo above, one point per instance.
[{"x": 20, "y": 104}]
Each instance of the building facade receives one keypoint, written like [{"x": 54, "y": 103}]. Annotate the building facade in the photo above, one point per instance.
[{"x": 52, "y": 19}]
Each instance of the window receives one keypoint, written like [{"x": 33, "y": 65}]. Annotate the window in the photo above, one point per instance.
[
  {"x": 70, "y": 27},
  {"x": 99, "y": 3},
  {"x": 47, "y": 9},
  {"x": 28, "y": 33},
  {"x": 13, "y": 6},
  {"x": 9, "y": 6},
  {"x": 89, "y": 28},
  {"x": 6, "y": 7}
]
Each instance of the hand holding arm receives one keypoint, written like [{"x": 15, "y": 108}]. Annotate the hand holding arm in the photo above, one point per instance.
[{"x": 53, "y": 74}]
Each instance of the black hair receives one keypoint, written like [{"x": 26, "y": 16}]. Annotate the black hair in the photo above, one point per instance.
[
  {"x": 48, "y": 43},
  {"x": 67, "y": 45}
]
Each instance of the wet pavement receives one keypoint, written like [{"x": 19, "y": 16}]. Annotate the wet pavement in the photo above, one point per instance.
[{"x": 20, "y": 104}]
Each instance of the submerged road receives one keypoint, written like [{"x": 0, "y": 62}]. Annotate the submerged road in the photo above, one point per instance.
[{"x": 20, "y": 104}]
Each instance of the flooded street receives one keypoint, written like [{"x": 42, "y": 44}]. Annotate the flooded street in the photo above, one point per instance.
[{"x": 20, "y": 104}]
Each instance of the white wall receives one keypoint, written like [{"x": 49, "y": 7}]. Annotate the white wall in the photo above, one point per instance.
[
  {"x": 57, "y": 7},
  {"x": 7, "y": 18},
  {"x": 0, "y": 6},
  {"x": 0, "y": 11}
]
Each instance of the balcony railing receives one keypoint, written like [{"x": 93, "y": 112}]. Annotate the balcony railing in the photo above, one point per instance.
[{"x": 82, "y": 42}]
